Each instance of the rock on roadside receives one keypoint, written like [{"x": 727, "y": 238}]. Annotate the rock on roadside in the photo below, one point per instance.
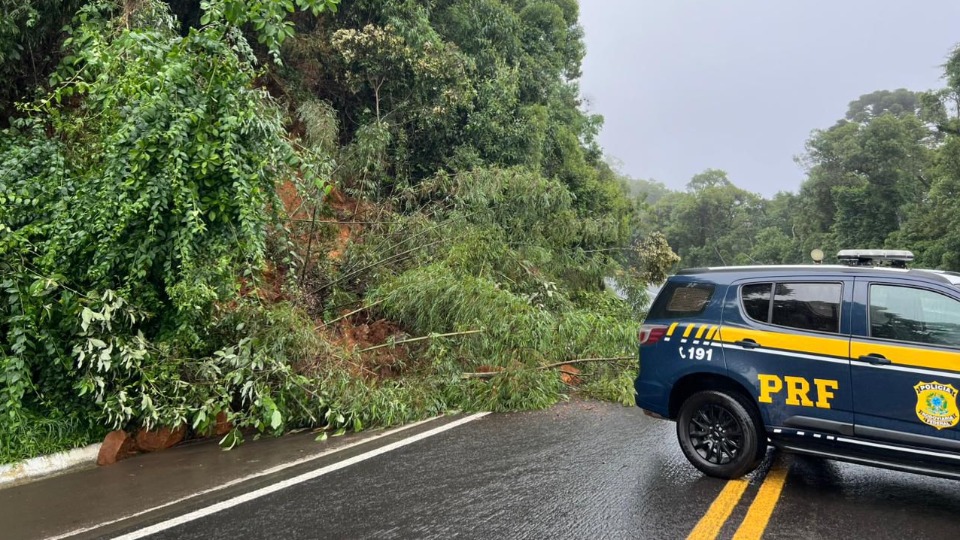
[{"x": 117, "y": 445}]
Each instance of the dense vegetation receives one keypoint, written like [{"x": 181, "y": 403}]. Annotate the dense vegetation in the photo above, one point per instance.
[
  {"x": 887, "y": 175},
  {"x": 303, "y": 213},
  {"x": 342, "y": 214}
]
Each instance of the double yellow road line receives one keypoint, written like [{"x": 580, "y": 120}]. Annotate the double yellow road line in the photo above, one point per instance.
[{"x": 758, "y": 515}]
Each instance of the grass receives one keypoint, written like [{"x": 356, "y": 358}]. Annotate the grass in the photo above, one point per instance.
[{"x": 37, "y": 435}]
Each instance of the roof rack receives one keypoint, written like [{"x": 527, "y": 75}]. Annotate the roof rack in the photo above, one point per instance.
[{"x": 896, "y": 258}]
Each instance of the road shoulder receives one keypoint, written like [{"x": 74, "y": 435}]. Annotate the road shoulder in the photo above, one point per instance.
[{"x": 149, "y": 487}]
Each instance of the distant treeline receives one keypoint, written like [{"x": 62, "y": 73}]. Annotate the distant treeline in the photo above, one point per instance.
[{"x": 887, "y": 175}]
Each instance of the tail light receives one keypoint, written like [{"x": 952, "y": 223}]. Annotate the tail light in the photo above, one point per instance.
[{"x": 651, "y": 333}]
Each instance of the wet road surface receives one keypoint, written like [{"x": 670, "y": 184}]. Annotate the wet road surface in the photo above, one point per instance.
[
  {"x": 828, "y": 499},
  {"x": 579, "y": 470}
]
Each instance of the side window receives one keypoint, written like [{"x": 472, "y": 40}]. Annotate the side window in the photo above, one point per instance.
[
  {"x": 916, "y": 315},
  {"x": 678, "y": 300},
  {"x": 808, "y": 306},
  {"x": 756, "y": 300}
]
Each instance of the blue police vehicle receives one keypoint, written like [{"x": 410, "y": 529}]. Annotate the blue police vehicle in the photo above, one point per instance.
[{"x": 855, "y": 362}]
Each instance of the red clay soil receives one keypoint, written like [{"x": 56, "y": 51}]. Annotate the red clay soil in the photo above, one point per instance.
[
  {"x": 570, "y": 375},
  {"x": 292, "y": 201},
  {"x": 271, "y": 286},
  {"x": 344, "y": 208},
  {"x": 359, "y": 335},
  {"x": 354, "y": 333}
]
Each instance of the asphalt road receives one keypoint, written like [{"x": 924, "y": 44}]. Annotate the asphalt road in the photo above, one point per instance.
[
  {"x": 582, "y": 470},
  {"x": 579, "y": 470}
]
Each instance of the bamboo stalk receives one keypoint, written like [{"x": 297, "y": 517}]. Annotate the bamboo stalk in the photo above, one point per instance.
[
  {"x": 421, "y": 338},
  {"x": 306, "y": 259},
  {"x": 487, "y": 374},
  {"x": 378, "y": 263},
  {"x": 354, "y": 312}
]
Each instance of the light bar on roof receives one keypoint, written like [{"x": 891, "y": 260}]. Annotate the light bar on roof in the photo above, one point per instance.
[{"x": 868, "y": 257}]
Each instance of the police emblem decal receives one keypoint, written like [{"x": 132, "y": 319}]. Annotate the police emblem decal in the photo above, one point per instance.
[{"x": 937, "y": 404}]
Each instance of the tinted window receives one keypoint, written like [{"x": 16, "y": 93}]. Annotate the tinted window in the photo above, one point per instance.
[
  {"x": 916, "y": 315},
  {"x": 756, "y": 300},
  {"x": 808, "y": 306},
  {"x": 681, "y": 300}
]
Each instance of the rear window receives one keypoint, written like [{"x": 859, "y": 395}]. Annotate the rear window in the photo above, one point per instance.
[
  {"x": 805, "y": 306},
  {"x": 678, "y": 300},
  {"x": 756, "y": 300}
]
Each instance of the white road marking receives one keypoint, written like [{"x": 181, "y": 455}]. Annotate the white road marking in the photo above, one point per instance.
[
  {"x": 229, "y": 503},
  {"x": 788, "y": 353},
  {"x": 935, "y": 373},
  {"x": 898, "y": 448}
]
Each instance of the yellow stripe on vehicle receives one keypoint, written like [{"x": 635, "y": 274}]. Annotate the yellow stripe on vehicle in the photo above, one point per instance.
[
  {"x": 908, "y": 356},
  {"x": 710, "y": 524},
  {"x": 713, "y": 331},
  {"x": 701, "y": 331},
  {"x": 818, "y": 345},
  {"x": 899, "y": 354},
  {"x": 671, "y": 329},
  {"x": 690, "y": 327}
]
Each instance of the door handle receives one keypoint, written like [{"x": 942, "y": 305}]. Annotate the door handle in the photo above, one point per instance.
[
  {"x": 876, "y": 359},
  {"x": 747, "y": 343}
]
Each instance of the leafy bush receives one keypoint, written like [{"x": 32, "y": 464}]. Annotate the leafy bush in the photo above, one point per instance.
[
  {"x": 126, "y": 220},
  {"x": 147, "y": 276},
  {"x": 516, "y": 333},
  {"x": 613, "y": 382}
]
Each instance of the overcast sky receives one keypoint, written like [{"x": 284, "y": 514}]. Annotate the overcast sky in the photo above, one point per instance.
[{"x": 686, "y": 85}]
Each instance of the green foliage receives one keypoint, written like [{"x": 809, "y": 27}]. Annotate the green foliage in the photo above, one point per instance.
[
  {"x": 267, "y": 17},
  {"x": 140, "y": 231},
  {"x": 900, "y": 102},
  {"x": 380, "y": 61},
  {"x": 30, "y": 34},
  {"x": 461, "y": 84},
  {"x": 611, "y": 383},
  {"x": 712, "y": 223},
  {"x": 33, "y": 435},
  {"x": 517, "y": 330},
  {"x": 513, "y": 390},
  {"x": 125, "y": 222}
]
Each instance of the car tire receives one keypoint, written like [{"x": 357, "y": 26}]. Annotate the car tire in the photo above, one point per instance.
[{"x": 721, "y": 434}]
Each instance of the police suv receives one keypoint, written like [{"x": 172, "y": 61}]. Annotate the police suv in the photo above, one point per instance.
[{"x": 855, "y": 362}]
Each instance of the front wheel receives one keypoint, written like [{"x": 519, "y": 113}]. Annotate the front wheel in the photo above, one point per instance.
[{"x": 719, "y": 435}]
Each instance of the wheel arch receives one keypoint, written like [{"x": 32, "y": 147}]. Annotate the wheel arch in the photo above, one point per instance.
[{"x": 690, "y": 384}]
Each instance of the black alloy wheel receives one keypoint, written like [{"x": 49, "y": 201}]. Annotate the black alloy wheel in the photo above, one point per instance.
[
  {"x": 715, "y": 434},
  {"x": 720, "y": 435}
]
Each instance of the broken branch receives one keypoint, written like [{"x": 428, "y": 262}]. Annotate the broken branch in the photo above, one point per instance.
[
  {"x": 354, "y": 312},
  {"x": 487, "y": 374},
  {"x": 421, "y": 338}
]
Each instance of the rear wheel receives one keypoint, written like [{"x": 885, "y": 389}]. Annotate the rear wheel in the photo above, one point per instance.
[{"x": 720, "y": 435}]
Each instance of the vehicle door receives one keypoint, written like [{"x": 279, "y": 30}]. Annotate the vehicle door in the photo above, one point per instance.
[
  {"x": 788, "y": 340},
  {"x": 905, "y": 362}
]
